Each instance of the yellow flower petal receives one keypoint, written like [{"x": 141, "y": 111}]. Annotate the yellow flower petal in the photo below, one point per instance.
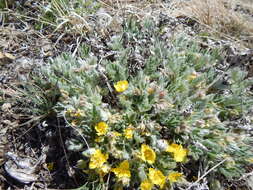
[
  {"x": 79, "y": 113},
  {"x": 157, "y": 177},
  {"x": 174, "y": 177},
  {"x": 146, "y": 185},
  {"x": 69, "y": 111},
  {"x": 123, "y": 170},
  {"x": 178, "y": 151},
  {"x": 173, "y": 147},
  {"x": 101, "y": 128},
  {"x": 97, "y": 159},
  {"x": 121, "y": 86},
  {"x": 116, "y": 134},
  {"x": 147, "y": 154},
  {"x": 180, "y": 155},
  {"x": 128, "y": 133}
]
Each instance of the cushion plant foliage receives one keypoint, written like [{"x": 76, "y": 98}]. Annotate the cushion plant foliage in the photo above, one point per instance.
[{"x": 149, "y": 116}]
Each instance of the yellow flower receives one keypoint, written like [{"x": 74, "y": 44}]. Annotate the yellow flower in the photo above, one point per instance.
[
  {"x": 69, "y": 111},
  {"x": 78, "y": 113},
  {"x": 144, "y": 133},
  {"x": 97, "y": 159},
  {"x": 75, "y": 113},
  {"x": 122, "y": 171},
  {"x": 121, "y": 86},
  {"x": 116, "y": 134},
  {"x": 178, "y": 151},
  {"x": 157, "y": 177},
  {"x": 180, "y": 155},
  {"x": 147, "y": 154},
  {"x": 173, "y": 147},
  {"x": 174, "y": 177},
  {"x": 101, "y": 128},
  {"x": 128, "y": 133},
  {"x": 146, "y": 185}
]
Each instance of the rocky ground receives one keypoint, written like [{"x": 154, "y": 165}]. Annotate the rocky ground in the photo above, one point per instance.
[{"x": 26, "y": 148}]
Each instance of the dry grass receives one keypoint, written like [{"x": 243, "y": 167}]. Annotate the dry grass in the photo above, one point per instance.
[
  {"x": 140, "y": 9},
  {"x": 219, "y": 17},
  {"x": 247, "y": 4}
]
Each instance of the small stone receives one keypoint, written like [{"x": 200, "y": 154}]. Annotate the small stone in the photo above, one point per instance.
[
  {"x": 250, "y": 182},
  {"x": 6, "y": 58},
  {"x": 5, "y": 107}
]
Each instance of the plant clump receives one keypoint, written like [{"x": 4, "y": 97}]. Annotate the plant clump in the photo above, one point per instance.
[{"x": 152, "y": 128}]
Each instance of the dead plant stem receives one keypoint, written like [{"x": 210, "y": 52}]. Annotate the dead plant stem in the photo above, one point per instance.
[{"x": 205, "y": 174}]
